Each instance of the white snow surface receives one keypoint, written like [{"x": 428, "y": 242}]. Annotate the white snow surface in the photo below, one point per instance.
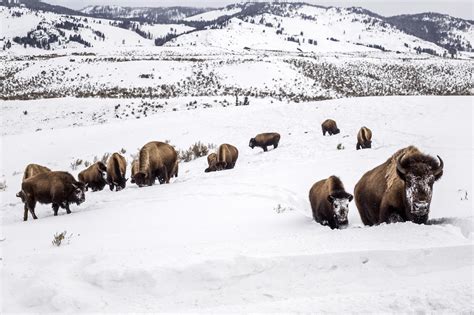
[{"x": 240, "y": 240}]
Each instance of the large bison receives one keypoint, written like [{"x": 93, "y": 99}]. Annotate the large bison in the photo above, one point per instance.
[
  {"x": 330, "y": 202},
  {"x": 364, "y": 138},
  {"x": 211, "y": 161},
  {"x": 58, "y": 188},
  {"x": 330, "y": 127},
  {"x": 399, "y": 189},
  {"x": 264, "y": 140},
  {"x": 116, "y": 170},
  {"x": 94, "y": 176},
  {"x": 156, "y": 160},
  {"x": 34, "y": 169},
  {"x": 227, "y": 156}
]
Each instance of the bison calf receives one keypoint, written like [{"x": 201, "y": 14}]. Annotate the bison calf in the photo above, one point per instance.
[
  {"x": 134, "y": 170},
  {"x": 211, "y": 161},
  {"x": 94, "y": 176},
  {"x": 58, "y": 188},
  {"x": 116, "y": 169},
  {"x": 364, "y": 138},
  {"x": 330, "y": 127},
  {"x": 330, "y": 202},
  {"x": 399, "y": 189},
  {"x": 264, "y": 140}
]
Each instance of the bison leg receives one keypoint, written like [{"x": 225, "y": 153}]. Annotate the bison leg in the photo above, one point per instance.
[
  {"x": 166, "y": 178},
  {"x": 389, "y": 214},
  {"x": 55, "y": 209},
  {"x": 31, "y": 207},
  {"x": 275, "y": 145},
  {"x": 68, "y": 211},
  {"x": 111, "y": 186},
  {"x": 25, "y": 214},
  {"x": 358, "y": 146},
  {"x": 264, "y": 148}
]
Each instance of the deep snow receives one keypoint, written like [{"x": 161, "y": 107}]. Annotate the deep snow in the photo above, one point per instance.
[{"x": 241, "y": 240}]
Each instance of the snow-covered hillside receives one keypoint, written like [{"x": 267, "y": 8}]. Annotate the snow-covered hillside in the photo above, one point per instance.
[{"x": 241, "y": 240}]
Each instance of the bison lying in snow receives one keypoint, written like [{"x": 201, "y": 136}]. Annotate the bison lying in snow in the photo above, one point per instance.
[
  {"x": 330, "y": 202},
  {"x": 58, "y": 188},
  {"x": 399, "y": 189},
  {"x": 227, "y": 156},
  {"x": 330, "y": 127},
  {"x": 34, "y": 169},
  {"x": 94, "y": 176},
  {"x": 364, "y": 138},
  {"x": 156, "y": 160},
  {"x": 116, "y": 169},
  {"x": 264, "y": 140}
]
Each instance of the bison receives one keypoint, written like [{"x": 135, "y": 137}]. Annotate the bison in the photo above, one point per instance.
[
  {"x": 399, "y": 189},
  {"x": 94, "y": 176},
  {"x": 34, "y": 169},
  {"x": 58, "y": 188},
  {"x": 227, "y": 156},
  {"x": 134, "y": 170},
  {"x": 330, "y": 127},
  {"x": 116, "y": 169},
  {"x": 330, "y": 202},
  {"x": 156, "y": 160},
  {"x": 264, "y": 140},
  {"x": 364, "y": 138},
  {"x": 211, "y": 161}
]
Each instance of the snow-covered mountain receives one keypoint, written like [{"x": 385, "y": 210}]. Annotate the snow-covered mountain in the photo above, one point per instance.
[{"x": 268, "y": 26}]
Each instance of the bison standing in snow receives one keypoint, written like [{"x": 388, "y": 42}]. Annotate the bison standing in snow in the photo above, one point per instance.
[
  {"x": 330, "y": 127},
  {"x": 227, "y": 156},
  {"x": 264, "y": 140},
  {"x": 330, "y": 202},
  {"x": 399, "y": 189},
  {"x": 364, "y": 138},
  {"x": 58, "y": 188},
  {"x": 94, "y": 176},
  {"x": 116, "y": 169},
  {"x": 156, "y": 160}
]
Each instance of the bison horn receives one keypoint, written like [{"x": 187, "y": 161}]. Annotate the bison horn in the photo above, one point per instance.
[
  {"x": 399, "y": 166},
  {"x": 440, "y": 167}
]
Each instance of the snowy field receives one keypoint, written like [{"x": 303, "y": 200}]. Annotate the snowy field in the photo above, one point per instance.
[{"x": 241, "y": 240}]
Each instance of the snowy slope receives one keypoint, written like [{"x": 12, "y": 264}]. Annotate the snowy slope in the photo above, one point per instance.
[{"x": 242, "y": 240}]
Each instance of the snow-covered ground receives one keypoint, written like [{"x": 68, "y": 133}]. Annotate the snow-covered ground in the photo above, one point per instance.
[{"x": 240, "y": 240}]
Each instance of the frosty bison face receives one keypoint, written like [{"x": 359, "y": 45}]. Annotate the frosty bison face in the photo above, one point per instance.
[
  {"x": 340, "y": 207},
  {"x": 252, "y": 143},
  {"x": 419, "y": 174},
  {"x": 78, "y": 194}
]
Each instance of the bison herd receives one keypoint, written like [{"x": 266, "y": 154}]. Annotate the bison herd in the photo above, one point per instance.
[{"x": 398, "y": 190}]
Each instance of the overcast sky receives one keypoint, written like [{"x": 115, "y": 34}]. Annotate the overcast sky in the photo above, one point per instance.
[{"x": 458, "y": 8}]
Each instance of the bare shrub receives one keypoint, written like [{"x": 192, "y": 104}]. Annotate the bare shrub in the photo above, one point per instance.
[
  {"x": 75, "y": 164},
  {"x": 58, "y": 238},
  {"x": 195, "y": 151},
  {"x": 3, "y": 185}
]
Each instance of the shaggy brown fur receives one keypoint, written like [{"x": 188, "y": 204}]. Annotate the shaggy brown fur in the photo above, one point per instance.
[
  {"x": 156, "y": 160},
  {"x": 135, "y": 166},
  {"x": 34, "y": 169},
  {"x": 364, "y": 138},
  {"x": 175, "y": 171},
  {"x": 227, "y": 156},
  {"x": 58, "y": 188},
  {"x": 116, "y": 170},
  {"x": 324, "y": 196},
  {"x": 399, "y": 189},
  {"x": 94, "y": 176},
  {"x": 330, "y": 127},
  {"x": 264, "y": 140},
  {"x": 211, "y": 161}
]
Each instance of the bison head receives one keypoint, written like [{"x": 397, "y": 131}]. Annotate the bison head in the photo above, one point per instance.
[
  {"x": 121, "y": 183},
  {"x": 419, "y": 172},
  {"x": 142, "y": 179},
  {"x": 337, "y": 131},
  {"x": 78, "y": 194},
  {"x": 252, "y": 143},
  {"x": 340, "y": 206}
]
